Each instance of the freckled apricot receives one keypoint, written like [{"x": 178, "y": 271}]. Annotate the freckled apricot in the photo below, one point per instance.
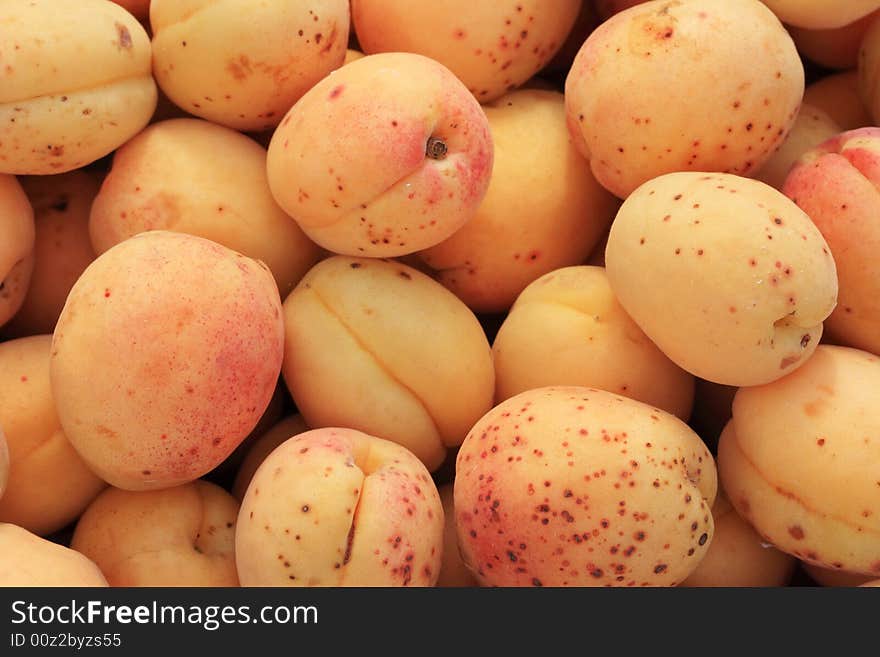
[
  {"x": 619, "y": 92},
  {"x": 493, "y": 47},
  {"x": 537, "y": 173},
  {"x": 243, "y": 64},
  {"x": 799, "y": 460},
  {"x": 722, "y": 241},
  {"x": 337, "y": 507},
  {"x": 76, "y": 85},
  {"x": 386, "y": 156},
  {"x": 573, "y": 486},
  {"x": 738, "y": 556},
  {"x": 262, "y": 447}
]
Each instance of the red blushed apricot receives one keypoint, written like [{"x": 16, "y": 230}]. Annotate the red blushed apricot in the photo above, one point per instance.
[
  {"x": 386, "y": 156},
  {"x": 29, "y": 560},
  {"x": 337, "y": 507},
  {"x": 165, "y": 355},
  {"x": 836, "y": 185},
  {"x": 620, "y": 92},
  {"x": 572, "y": 486},
  {"x": 537, "y": 173}
]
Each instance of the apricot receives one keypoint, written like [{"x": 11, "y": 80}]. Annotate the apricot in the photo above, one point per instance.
[
  {"x": 838, "y": 96},
  {"x": 377, "y": 346},
  {"x": 567, "y": 328},
  {"x": 572, "y": 486},
  {"x": 165, "y": 356},
  {"x": 31, "y": 561},
  {"x": 493, "y": 47},
  {"x": 272, "y": 414},
  {"x": 453, "y": 571},
  {"x": 835, "y": 184},
  {"x": 181, "y": 536},
  {"x": 167, "y": 178},
  {"x": 811, "y": 127},
  {"x": 869, "y": 71},
  {"x": 4, "y": 463},
  {"x": 17, "y": 246},
  {"x": 543, "y": 209},
  {"x": 351, "y": 55},
  {"x": 607, "y": 8},
  {"x": 337, "y": 507},
  {"x": 140, "y": 9},
  {"x": 833, "y": 48},
  {"x": 386, "y": 156},
  {"x": 800, "y": 464},
  {"x": 262, "y": 447},
  {"x": 832, "y": 577},
  {"x": 747, "y": 278},
  {"x": 243, "y": 64},
  {"x": 738, "y": 556},
  {"x": 62, "y": 248},
  {"x": 620, "y": 92},
  {"x": 49, "y": 485},
  {"x": 76, "y": 83},
  {"x": 821, "y": 14}
]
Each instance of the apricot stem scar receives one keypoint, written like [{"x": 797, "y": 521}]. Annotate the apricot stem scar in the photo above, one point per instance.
[{"x": 435, "y": 148}]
